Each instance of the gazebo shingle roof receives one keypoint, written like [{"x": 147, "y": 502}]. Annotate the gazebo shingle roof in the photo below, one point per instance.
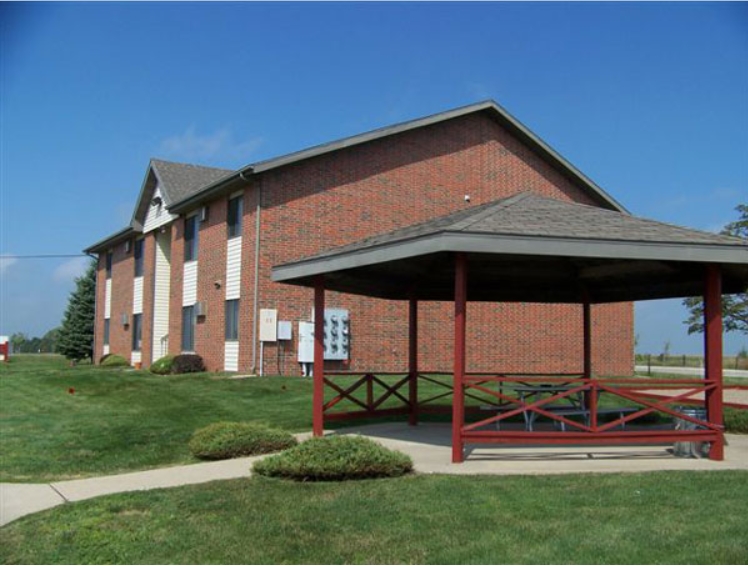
[
  {"x": 530, "y": 248},
  {"x": 527, "y": 214}
]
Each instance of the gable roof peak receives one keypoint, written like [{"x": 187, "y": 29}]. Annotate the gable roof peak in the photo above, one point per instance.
[
  {"x": 176, "y": 181},
  {"x": 490, "y": 107}
]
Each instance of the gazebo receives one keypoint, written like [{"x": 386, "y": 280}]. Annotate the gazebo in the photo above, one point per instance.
[{"x": 534, "y": 249}]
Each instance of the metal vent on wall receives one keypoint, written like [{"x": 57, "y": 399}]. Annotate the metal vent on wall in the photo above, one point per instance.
[{"x": 201, "y": 309}]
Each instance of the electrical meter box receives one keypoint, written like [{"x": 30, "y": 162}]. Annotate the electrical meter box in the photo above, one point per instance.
[
  {"x": 306, "y": 342},
  {"x": 337, "y": 334},
  {"x": 337, "y": 337}
]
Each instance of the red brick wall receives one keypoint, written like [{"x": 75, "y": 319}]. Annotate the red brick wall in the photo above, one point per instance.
[
  {"x": 123, "y": 267},
  {"x": 209, "y": 334},
  {"x": 338, "y": 198},
  {"x": 373, "y": 188},
  {"x": 246, "y": 316},
  {"x": 177, "y": 278}
]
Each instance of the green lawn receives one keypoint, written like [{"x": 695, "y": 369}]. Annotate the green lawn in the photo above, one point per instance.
[
  {"x": 664, "y": 517},
  {"x": 119, "y": 420}
]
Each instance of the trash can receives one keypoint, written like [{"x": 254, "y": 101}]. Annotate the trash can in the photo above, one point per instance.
[{"x": 690, "y": 449}]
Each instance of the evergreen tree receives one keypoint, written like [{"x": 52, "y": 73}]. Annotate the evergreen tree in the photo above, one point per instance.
[
  {"x": 75, "y": 339},
  {"x": 734, "y": 307}
]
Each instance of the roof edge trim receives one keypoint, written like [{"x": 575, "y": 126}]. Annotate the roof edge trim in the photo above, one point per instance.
[
  {"x": 111, "y": 240},
  {"x": 208, "y": 192},
  {"x": 498, "y": 112},
  {"x": 511, "y": 245}
]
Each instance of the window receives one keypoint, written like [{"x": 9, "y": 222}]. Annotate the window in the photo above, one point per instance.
[
  {"x": 190, "y": 238},
  {"x": 188, "y": 328},
  {"x": 139, "y": 257},
  {"x": 234, "y": 216},
  {"x": 232, "y": 319},
  {"x": 109, "y": 265},
  {"x": 106, "y": 332},
  {"x": 137, "y": 332}
]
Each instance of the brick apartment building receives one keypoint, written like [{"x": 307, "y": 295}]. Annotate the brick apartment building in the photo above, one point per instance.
[{"x": 192, "y": 271}]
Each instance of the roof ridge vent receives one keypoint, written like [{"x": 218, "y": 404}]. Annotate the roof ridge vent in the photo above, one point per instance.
[{"x": 490, "y": 208}]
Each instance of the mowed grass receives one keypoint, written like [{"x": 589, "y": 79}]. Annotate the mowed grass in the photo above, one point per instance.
[
  {"x": 663, "y": 517},
  {"x": 59, "y": 422}
]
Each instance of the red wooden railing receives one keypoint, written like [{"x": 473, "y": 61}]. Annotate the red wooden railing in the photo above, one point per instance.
[{"x": 495, "y": 393}]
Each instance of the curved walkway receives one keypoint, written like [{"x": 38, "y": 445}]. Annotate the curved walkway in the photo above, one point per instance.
[{"x": 429, "y": 445}]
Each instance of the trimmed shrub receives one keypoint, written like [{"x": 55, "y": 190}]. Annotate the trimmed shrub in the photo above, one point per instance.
[
  {"x": 220, "y": 441},
  {"x": 736, "y": 420},
  {"x": 113, "y": 361},
  {"x": 187, "y": 363},
  {"x": 163, "y": 366},
  {"x": 335, "y": 458}
]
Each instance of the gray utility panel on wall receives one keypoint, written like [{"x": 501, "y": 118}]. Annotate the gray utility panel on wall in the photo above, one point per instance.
[{"x": 337, "y": 334}]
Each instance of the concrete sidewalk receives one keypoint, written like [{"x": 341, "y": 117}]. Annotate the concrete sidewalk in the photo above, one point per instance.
[
  {"x": 18, "y": 499},
  {"x": 429, "y": 445}
]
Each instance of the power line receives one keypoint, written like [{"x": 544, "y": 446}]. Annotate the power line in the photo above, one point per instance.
[{"x": 41, "y": 256}]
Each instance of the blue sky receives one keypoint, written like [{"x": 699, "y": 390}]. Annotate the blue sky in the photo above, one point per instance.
[{"x": 650, "y": 100}]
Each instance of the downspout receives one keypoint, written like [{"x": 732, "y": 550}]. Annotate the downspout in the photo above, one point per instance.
[{"x": 256, "y": 291}]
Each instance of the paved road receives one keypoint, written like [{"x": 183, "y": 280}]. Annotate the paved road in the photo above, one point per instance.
[{"x": 690, "y": 371}]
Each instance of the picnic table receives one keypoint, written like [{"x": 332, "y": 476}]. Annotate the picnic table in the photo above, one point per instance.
[{"x": 565, "y": 405}]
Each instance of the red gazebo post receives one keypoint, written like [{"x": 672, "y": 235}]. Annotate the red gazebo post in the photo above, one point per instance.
[
  {"x": 318, "y": 394},
  {"x": 590, "y": 400},
  {"x": 458, "y": 401},
  {"x": 413, "y": 360},
  {"x": 713, "y": 353}
]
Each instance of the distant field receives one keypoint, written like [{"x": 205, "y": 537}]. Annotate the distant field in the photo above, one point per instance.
[{"x": 729, "y": 362}]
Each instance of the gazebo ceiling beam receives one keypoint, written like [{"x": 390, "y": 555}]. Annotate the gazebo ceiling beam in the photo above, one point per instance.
[{"x": 625, "y": 268}]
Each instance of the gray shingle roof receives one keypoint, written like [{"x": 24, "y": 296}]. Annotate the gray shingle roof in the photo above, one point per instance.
[
  {"x": 177, "y": 180},
  {"x": 180, "y": 180}
]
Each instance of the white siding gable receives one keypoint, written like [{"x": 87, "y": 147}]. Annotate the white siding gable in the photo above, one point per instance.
[
  {"x": 108, "y": 299},
  {"x": 233, "y": 268},
  {"x": 162, "y": 286},
  {"x": 189, "y": 284},
  {"x": 231, "y": 356},
  {"x": 157, "y": 215},
  {"x": 137, "y": 296}
]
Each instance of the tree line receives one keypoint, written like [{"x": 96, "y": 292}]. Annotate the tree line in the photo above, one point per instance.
[
  {"x": 23, "y": 344},
  {"x": 74, "y": 337}
]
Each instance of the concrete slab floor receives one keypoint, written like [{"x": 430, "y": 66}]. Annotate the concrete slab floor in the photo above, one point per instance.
[{"x": 429, "y": 445}]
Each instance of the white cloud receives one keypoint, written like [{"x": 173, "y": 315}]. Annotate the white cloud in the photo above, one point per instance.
[
  {"x": 192, "y": 146},
  {"x": 71, "y": 269},
  {"x": 5, "y": 263}
]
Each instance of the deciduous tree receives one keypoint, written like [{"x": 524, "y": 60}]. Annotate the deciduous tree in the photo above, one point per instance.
[{"x": 734, "y": 307}]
